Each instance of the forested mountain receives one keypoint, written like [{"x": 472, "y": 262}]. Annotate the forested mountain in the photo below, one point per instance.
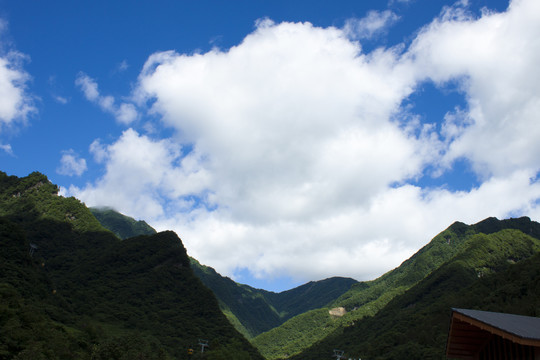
[
  {"x": 255, "y": 311},
  {"x": 496, "y": 272},
  {"x": 366, "y": 299},
  {"x": 122, "y": 226},
  {"x": 69, "y": 289},
  {"x": 252, "y": 311}
]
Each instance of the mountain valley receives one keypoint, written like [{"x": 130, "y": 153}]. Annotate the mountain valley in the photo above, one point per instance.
[{"x": 95, "y": 284}]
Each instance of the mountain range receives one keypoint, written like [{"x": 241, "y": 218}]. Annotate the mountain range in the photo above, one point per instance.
[
  {"x": 71, "y": 289},
  {"x": 487, "y": 250},
  {"x": 252, "y": 311},
  {"x": 95, "y": 284}
]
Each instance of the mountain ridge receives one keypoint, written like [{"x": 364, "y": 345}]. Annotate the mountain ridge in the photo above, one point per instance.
[
  {"x": 381, "y": 291},
  {"x": 122, "y": 226},
  {"x": 252, "y": 311},
  {"x": 391, "y": 285},
  {"x": 84, "y": 293},
  {"x": 266, "y": 309},
  {"x": 415, "y": 324},
  {"x": 368, "y": 298}
]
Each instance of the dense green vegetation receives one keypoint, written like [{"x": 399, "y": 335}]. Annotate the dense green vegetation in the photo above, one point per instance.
[
  {"x": 459, "y": 257},
  {"x": 366, "y": 299},
  {"x": 499, "y": 271},
  {"x": 122, "y": 226},
  {"x": 245, "y": 306},
  {"x": 36, "y": 195},
  {"x": 254, "y": 311},
  {"x": 85, "y": 294},
  {"x": 251, "y": 311}
]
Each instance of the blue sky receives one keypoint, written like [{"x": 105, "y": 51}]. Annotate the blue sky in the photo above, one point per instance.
[{"x": 284, "y": 141}]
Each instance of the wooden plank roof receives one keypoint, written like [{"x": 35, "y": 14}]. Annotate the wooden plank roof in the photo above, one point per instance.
[{"x": 470, "y": 330}]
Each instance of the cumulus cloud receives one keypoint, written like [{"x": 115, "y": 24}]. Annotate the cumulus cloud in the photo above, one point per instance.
[
  {"x": 143, "y": 173},
  {"x": 71, "y": 164},
  {"x": 15, "y": 103},
  {"x": 373, "y": 24},
  {"x": 496, "y": 58},
  {"x": 293, "y": 156},
  {"x": 124, "y": 113},
  {"x": 98, "y": 150}
]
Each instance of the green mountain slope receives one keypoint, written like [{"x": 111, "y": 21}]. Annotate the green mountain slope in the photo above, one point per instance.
[
  {"x": 313, "y": 295},
  {"x": 122, "y": 226},
  {"x": 367, "y": 298},
  {"x": 85, "y": 294},
  {"x": 255, "y": 311},
  {"x": 492, "y": 265},
  {"x": 34, "y": 195},
  {"x": 252, "y": 311},
  {"x": 495, "y": 272},
  {"x": 247, "y": 308}
]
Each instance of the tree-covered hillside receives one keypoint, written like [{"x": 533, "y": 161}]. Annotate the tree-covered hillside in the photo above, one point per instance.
[
  {"x": 72, "y": 290},
  {"x": 368, "y": 298},
  {"x": 122, "y": 226},
  {"x": 252, "y": 311},
  {"x": 487, "y": 245},
  {"x": 34, "y": 195},
  {"x": 499, "y": 271},
  {"x": 255, "y": 311}
]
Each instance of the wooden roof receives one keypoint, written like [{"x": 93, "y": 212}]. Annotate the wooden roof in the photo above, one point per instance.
[{"x": 470, "y": 330}]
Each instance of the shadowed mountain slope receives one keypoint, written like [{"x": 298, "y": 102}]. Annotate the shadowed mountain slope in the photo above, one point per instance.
[
  {"x": 256, "y": 311},
  {"x": 83, "y": 293},
  {"x": 492, "y": 265},
  {"x": 252, "y": 311}
]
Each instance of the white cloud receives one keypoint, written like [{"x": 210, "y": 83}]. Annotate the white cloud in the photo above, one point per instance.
[
  {"x": 71, "y": 164},
  {"x": 124, "y": 113},
  {"x": 290, "y": 156},
  {"x": 7, "y": 148},
  {"x": 98, "y": 150},
  {"x": 496, "y": 57},
  {"x": 295, "y": 107},
  {"x": 373, "y": 24},
  {"x": 362, "y": 241},
  {"x": 88, "y": 86},
  {"x": 15, "y": 103},
  {"x": 60, "y": 99},
  {"x": 141, "y": 174}
]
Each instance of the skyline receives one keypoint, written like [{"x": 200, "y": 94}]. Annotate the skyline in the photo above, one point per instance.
[{"x": 282, "y": 142}]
